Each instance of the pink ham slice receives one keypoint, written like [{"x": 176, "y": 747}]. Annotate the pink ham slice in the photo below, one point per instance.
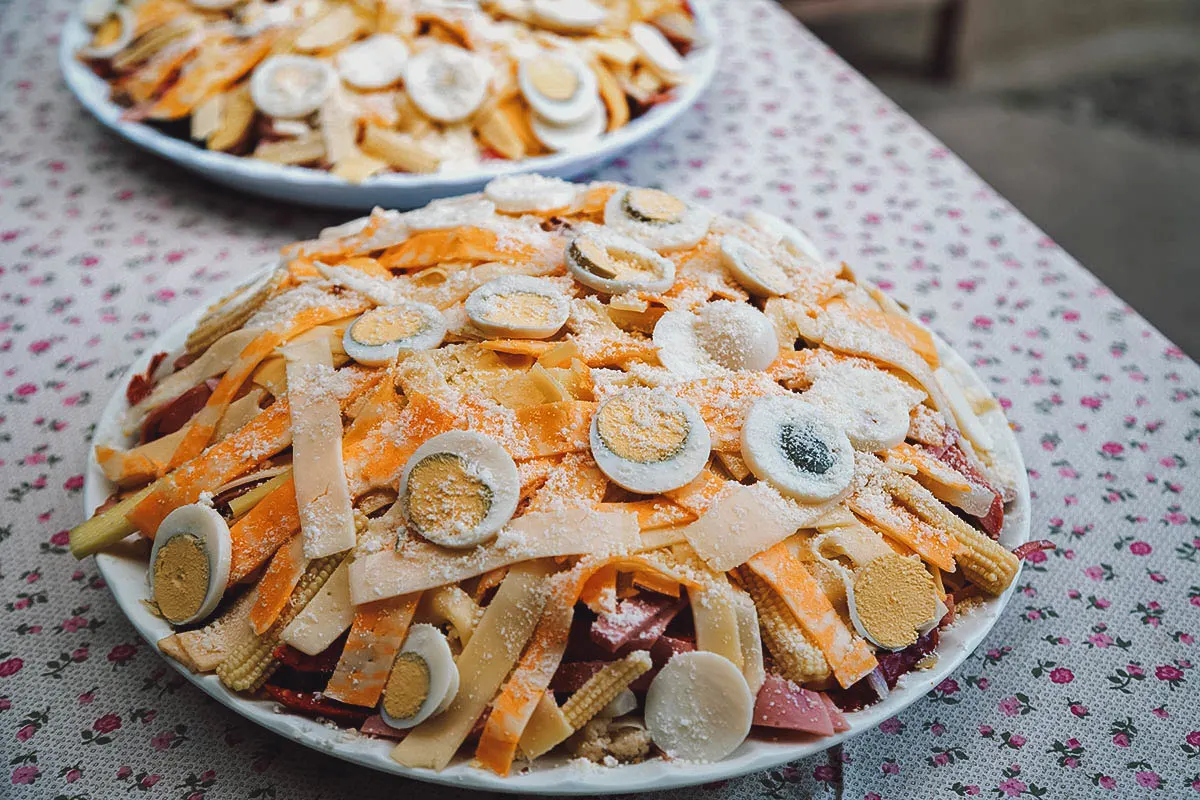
[
  {"x": 836, "y": 717},
  {"x": 636, "y": 624},
  {"x": 571, "y": 675},
  {"x": 953, "y": 457},
  {"x": 375, "y": 726},
  {"x": 783, "y": 704}
]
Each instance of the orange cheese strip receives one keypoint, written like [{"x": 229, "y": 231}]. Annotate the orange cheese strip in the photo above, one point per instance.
[
  {"x": 275, "y": 588},
  {"x": 576, "y": 480},
  {"x": 877, "y": 507},
  {"x": 218, "y": 68},
  {"x": 654, "y": 513},
  {"x": 254, "y": 537},
  {"x": 654, "y": 582},
  {"x": 376, "y": 636},
  {"x": 140, "y": 464},
  {"x": 552, "y": 429},
  {"x": 264, "y": 436},
  {"x": 600, "y": 592},
  {"x": 200, "y": 429},
  {"x": 850, "y": 656},
  {"x": 375, "y": 456},
  {"x": 515, "y": 704},
  {"x": 723, "y": 403},
  {"x": 593, "y": 200},
  {"x": 698, "y": 495},
  {"x": 905, "y": 330},
  {"x": 519, "y": 347},
  {"x": 455, "y": 244}
]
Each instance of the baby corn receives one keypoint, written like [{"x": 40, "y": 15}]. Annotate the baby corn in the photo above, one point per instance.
[
  {"x": 796, "y": 656},
  {"x": 603, "y": 687}
]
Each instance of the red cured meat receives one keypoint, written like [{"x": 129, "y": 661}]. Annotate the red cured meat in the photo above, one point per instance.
[
  {"x": 636, "y": 624},
  {"x": 836, "y": 717},
  {"x": 1022, "y": 551},
  {"x": 953, "y": 457},
  {"x": 140, "y": 384},
  {"x": 310, "y": 705},
  {"x": 572, "y": 675},
  {"x": 783, "y": 704},
  {"x": 668, "y": 647},
  {"x": 171, "y": 416},
  {"x": 375, "y": 726}
]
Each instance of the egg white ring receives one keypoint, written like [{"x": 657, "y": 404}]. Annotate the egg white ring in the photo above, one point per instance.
[
  {"x": 477, "y": 309},
  {"x": 209, "y": 527},
  {"x": 677, "y": 711},
  {"x": 95, "y": 13},
  {"x": 574, "y": 109},
  {"x": 276, "y": 103},
  {"x": 530, "y": 193},
  {"x": 555, "y": 14},
  {"x": 664, "y": 237},
  {"x": 432, "y": 101},
  {"x": 428, "y": 337},
  {"x": 128, "y": 23},
  {"x": 658, "y": 476},
  {"x": 581, "y": 135},
  {"x": 764, "y": 454},
  {"x": 734, "y": 252},
  {"x": 490, "y": 463},
  {"x": 792, "y": 237},
  {"x": 657, "y": 50},
  {"x": 425, "y": 640},
  {"x": 611, "y": 240}
]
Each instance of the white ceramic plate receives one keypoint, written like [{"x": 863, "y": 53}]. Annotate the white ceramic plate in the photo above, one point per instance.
[
  {"x": 124, "y": 568},
  {"x": 395, "y": 190}
]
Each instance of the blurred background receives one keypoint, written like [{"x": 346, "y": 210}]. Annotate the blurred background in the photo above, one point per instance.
[{"x": 1085, "y": 114}]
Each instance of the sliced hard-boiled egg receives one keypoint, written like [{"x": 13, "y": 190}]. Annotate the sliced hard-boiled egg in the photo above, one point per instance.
[
  {"x": 189, "y": 564},
  {"x": 576, "y": 136},
  {"x": 752, "y": 268},
  {"x": 568, "y": 16},
  {"x": 125, "y": 18},
  {"x": 518, "y": 306},
  {"x": 795, "y": 240},
  {"x": 649, "y": 441},
  {"x": 450, "y": 212},
  {"x": 558, "y": 86},
  {"x": 893, "y": 600},
  {"x": 960, "y": 406},
  {"x": 699, "y": 707},
  {"x": 794, "y": 446},
  {"x": 870, "y": 405},
  {"x": 423, "y": 681},
  {"x": 658, "y": 52},
  {"x": 374, "y": 63},
  {"x": 214, "y": 5},
  {"x": 291, "y": 86},
  {"x": 614, "y": 264},
  {"x": 379, "y": 335},
  {"x": 96, "y": 12},
  {"x": 530, "y": 194},
  {"x": 459, "y": 489},
  {"x": 657, "y": 219},
  {"x": 448, "y": 83},
  {"x": 718, "y": 336},
  {"x": 624, "y": 703}
]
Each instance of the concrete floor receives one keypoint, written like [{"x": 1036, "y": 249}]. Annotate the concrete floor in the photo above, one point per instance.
[{"x": 1118, "y": 191}]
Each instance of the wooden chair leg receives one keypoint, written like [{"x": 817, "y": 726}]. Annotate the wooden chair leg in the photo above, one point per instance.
[{"x": 948, "y": 45}]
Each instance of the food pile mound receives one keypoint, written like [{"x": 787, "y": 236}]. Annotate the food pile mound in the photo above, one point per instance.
[
  {"x": 364, "y": 87},
  {"x": 560, "y": 469}
]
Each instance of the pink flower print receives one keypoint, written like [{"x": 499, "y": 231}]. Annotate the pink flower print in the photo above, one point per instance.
[
  {"x": 80, "y": 654},
  {"x": 73, "y": 775},
  {"x": 1091, "y": 401},
  {"x": 986, "y": 731},
  {"x": 60, "y": 539},
  {"x": 1100, "y": 639},
  {"x": 1140, "y": 548},
  {"x": 162, "y": 741},
  {"x": 1135, "y": 670},
  {"x": 941, "y": 759},
  {"x": 40, "y": 346},
  {"x": 1157, "y": 577},
  {"x": 1148, "y": 779},
  {"x": 73, "y": 483},
  {"x": 1113, "y": 448},
  {"x": 87, "y": 698},
  {"x": 208, "y": 775},
  {"x": 891, "y": 725},
  {"x": 26, "y": 774},
  {"x": 1017, "y": 740},
  {"x": 1009, "y": 706},
  {"x": 124, "y": 772},
  {"x": 1107, "y": 781},
  {"x": 1121, "y": 740},
  {"x": 1176, "y": 518},
  {"x": 983, "y": 684},
  {"x": 10, "y": 667},
  {"x": 1036, "y": 557},
  {"x": 1071, "y": 761},
  {"x": 26, "y": 389},
  {"x": 149, "y": 781},
  {"x": 73, "y": 624},
  {"x": 107, "y": 724},
  {"x": 948, "y": 686},
  {"x": 1103, "y": 602},
  {"x": 1161, "y": 712},
  {"x": 5, "y": 704},
  {"x": 890, "y": 768},
  {"x": 198, "y": 795},
  {"x": 790, "y": 773},
  {"x": 1061, "y": 675},
  {"x": 825, "y": 773},
  {"x": 25, "y": 733},
  {"x": 1166, "y": 672},
  {"x": 122, "y": 653},
  {"x": 1072, "y": 743},
  {"x": 1012, "y": 788},
  {"x": 1193, "y": 738}
]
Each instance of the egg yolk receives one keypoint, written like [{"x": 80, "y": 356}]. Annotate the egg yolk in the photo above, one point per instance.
[
  {"x": 611, "y": 264},
  {"x": 407, "y": 686},
  {"x": 643, "y": 428},
  {"x": 552, "y": 79},
  {"x": 443, "y": 495},
  {"x": 523, "y": 308},
  {"x": 383, "y": 325},
  {"x": 893, "y": 597},
  {"x": 180, "y": 578},
  {"x": 652, "y": 205}
]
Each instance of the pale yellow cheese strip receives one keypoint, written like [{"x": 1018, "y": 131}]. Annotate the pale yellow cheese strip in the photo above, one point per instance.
[
  {"x": 745, "y": 520},
  {"x": 547, "y": 727},
  {"x": 416, "y": 564},
  {"x": 325, "y": 617},
  {"x": 322, "y": 495},
  {"x": 753, "y": 668},
  {"x": 716, "y": 621},
  {"x": 483, "y": 665}
]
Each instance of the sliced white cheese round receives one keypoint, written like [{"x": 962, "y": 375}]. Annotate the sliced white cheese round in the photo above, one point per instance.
[
  {"x": 530, "y": 194},
  {"x": 614, "y": 264},
  {"x": 424, "y": 679},
  {"x": 581, "y": 135},
  {"x": 374, "y": 63},
  {"x": 459, "y": 489},
  {"x": 624, "y": 703},
  {"x": 568, "y": 16},
  {"x": 649, "y": 441},
  {"x": 128, "y": 22},
  {"x": 717, "y": 337},
  {"x": 794, "y": 446},
  {"x": 291, "y": 86},
  {"x": 379, "y": 335},
  {"x": 870, "y": 405},
  {"x": 657, "y": 219},
  {"x": 558, "y": 86},
  {"x": 189, "y": 563},
  {"x": 752, "y": 268},
  {"x": 699, "y": 707},
  {"x": 518, "y": 306},
  {"x": 448, "y": 83},
  {"x": 658, "y": 52}
]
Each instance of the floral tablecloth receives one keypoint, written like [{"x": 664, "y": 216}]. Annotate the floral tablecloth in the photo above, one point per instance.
[{"x": 1087, "y": 686}]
